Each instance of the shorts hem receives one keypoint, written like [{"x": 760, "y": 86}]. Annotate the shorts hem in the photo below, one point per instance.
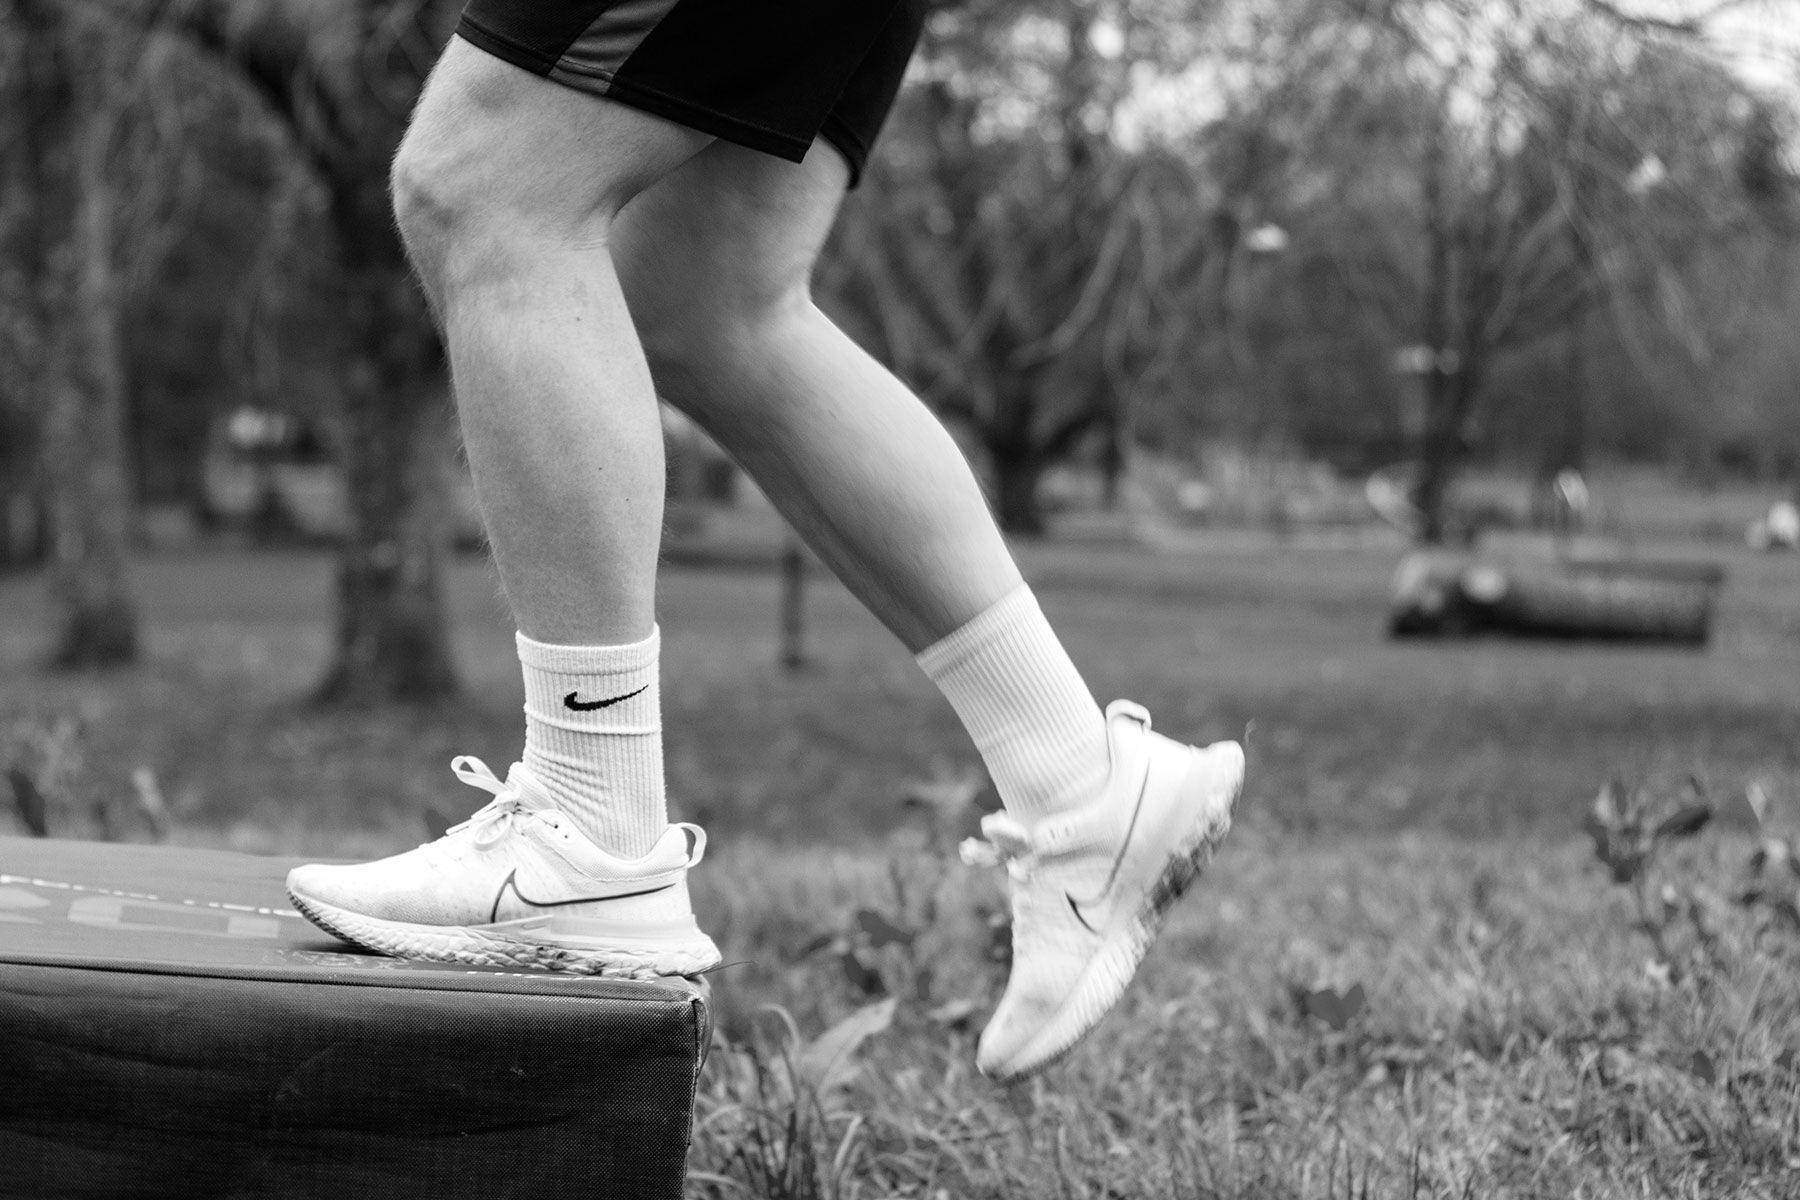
[
  {"x": 852, "y": 147},
  {"x": 697, "y": 117},
  {"x": 472, "y": 32},
  {"x": 840, "y": 134}
]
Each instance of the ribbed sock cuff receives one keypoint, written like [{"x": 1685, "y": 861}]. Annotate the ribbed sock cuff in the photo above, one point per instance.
[
  {"x": 590, "y": 660},
  {"x": 593, "y": 737},
  {"x": 1039, "y": 731},
  {"x": 1017, "y": 607}
]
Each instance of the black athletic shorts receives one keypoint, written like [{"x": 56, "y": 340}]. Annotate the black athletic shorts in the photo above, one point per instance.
[{"x": 768, "y": 74}]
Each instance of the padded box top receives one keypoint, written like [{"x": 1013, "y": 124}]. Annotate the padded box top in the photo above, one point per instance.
[{"x": 217, "y": 913}]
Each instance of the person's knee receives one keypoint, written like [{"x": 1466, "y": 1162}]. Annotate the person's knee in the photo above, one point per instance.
[
  {"x": 460, "y": 219},
  {"x": 500, "y": 168},
  {"x": 432, "y": 203}
]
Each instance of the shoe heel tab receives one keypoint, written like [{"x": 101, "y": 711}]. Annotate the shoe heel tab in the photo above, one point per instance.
[
  {"x": 696, "y": 840},
  {"x": 1122, "y": 718},
  {"x": 1128, "y": 709}
]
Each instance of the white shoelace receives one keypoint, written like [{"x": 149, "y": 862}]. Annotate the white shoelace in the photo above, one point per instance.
[
  {"x": 1003, "y": 842},
  {"x": 493, "y": 820}
]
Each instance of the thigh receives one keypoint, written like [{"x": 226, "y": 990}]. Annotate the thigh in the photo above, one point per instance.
[
  {"x": 730, "y": 231},
  {"x": 484, "y": 129}
]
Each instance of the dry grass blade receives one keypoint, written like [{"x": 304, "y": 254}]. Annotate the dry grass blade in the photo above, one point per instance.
[{"x": 150, "y": 800}]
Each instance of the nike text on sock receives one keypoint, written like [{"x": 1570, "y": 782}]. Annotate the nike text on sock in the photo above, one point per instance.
[
  {"x": 1034, "y": 721},
  {"x": 593, "y": 738}
]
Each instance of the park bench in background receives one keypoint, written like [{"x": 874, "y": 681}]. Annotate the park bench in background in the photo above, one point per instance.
[{"x": 170, "y": 1028}]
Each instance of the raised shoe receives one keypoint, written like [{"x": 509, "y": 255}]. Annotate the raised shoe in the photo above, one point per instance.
[{"x": 1091, "y": 887}]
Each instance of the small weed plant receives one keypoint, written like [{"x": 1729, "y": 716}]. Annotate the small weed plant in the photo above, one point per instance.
[{"x": 1683, "y": 909}]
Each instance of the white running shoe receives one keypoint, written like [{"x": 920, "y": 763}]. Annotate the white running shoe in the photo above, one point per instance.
[
  {"x": 517, "y": 885},
  {"x": 1091, "y": 887}
]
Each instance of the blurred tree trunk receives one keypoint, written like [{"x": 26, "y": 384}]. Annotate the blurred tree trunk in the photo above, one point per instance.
[
  {"x": 392, "y": 633},
  {"x": 1441, "y": 436},
  {"x": 1017, "y": 473},
  {"x": 1114, "y": 462},
  {"x": 89, "y": 463},
  {"x": 79, "y": 372},
  {"x": 393, "y": 636},
  {"x": 343, "y": 76},
  {"x": 1571, "y": 441},
  {"x": 1021, "y": 451},
  {"x": 1449, "y": 398},
  {"x": 1572, "y": 425}
]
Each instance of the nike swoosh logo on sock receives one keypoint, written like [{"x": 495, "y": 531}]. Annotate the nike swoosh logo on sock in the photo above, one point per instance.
[
  {"x": 511, "y": 882},
  {"x": 569, "y": 701},
  {"x": 1118, "y": 860}
]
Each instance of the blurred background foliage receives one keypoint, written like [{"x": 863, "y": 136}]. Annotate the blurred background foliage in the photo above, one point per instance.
[{"x": 1116, "y": 233}]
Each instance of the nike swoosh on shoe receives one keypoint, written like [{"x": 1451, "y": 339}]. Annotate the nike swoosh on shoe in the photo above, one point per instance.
[
  {"x": 511, "y": 882},
  {"x": 1112, "y": 876}
]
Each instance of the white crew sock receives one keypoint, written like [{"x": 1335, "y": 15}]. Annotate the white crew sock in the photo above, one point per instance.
[
  {"x": 1036, "y": 724},
  {"x": 593, "y": 738}
]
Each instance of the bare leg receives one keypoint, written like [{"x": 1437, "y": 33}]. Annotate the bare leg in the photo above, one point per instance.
[
  {"x": 506, "y": 188},
  {"x": 716, "y": 261}
]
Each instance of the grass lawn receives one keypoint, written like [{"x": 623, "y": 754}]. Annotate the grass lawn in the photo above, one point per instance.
[{"x": 1411, "y": 827}]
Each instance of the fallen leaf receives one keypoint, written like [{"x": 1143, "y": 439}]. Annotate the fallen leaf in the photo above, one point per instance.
[
  {"x": 818, "y": 942},
  {"x": 1623, "y": 861},
  {"x": 880, "y": 931},
  {"x": 29, "y": 802},
  {"x": 1336, "y": 1009},
  {"x": 1607, "y": 810},
  {"x": 953, "y": 1013},
  {"x": 1758, "y": 800},
  {"x": 860, "y": 975},
  {"x": 1685, "y": 821},
  {"x": 828, "y": 1065}
]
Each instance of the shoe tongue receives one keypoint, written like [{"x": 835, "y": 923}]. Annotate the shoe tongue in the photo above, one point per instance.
[{"x": 531, "y": 793}]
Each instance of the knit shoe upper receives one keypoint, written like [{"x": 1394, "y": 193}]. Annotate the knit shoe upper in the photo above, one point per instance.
[{"x": 517, "y": 884}]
